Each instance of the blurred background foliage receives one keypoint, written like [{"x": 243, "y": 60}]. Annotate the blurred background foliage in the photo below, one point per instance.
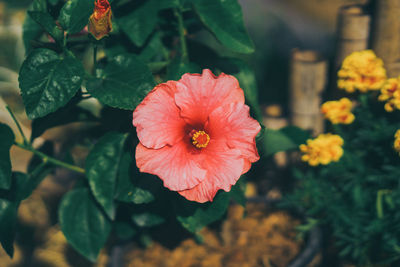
[{"x": 275, "y": 26}]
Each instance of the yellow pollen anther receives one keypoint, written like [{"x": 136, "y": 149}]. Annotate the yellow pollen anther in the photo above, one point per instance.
[{"x": 200, "y": 139}]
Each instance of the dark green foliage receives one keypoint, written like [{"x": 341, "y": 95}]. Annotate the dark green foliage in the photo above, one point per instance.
[
  {"x": 102, "y": 166},
  {"x": 224, "y": 19},
  {"x": 83, "y": 223},
  {"x": 123, "y": 83},
  {"x": 140, "y": 23},
  {"x": 287, "y": 138},
  {"x": 75, "y": 14},
  {"x": 194, "y": 216},
  {"x": 8, "y": 222},
  {"x": 357, "y": 197},
  {"x": 46, "y": 21},
  {"x": 7, "y": 140},
  {"x": 48, "y": 81}
]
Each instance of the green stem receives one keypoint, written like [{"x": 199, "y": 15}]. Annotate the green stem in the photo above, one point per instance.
[
  {"x": 65, "y": 41},
  {"x": 49, "y": 159},
  {"x": 39, "y": 168},
  {"x": 337, "y": 129},
  {"x": 181, "y": 28},
  {"x": 363, "y": 98},
  {"x": 379, "y": 206},
  {"x": 18, "y": 125}
]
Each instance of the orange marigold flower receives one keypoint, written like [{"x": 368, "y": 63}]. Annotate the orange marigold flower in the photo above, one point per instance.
[
  {"x": 390, "y": 93},
  {"x": 322, "y": 150},
  {"x": 396, "y": 144},
  {"x": 100, "y": 21},
  {"x": 361, "y": 71},
  {"x": 338, "y": 111}
]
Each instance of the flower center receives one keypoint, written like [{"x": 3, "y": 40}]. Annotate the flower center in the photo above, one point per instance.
[{"x": 200, "y": 139}]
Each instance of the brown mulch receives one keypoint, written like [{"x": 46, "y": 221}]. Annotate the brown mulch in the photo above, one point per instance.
[{"x": 260, "y": 238}]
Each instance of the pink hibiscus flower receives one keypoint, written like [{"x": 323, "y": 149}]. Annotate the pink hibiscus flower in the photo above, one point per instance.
[{"x": 196, "y": 134}]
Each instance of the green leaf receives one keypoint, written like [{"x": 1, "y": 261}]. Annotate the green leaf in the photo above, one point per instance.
[
  {"x": 30, "y": 31},
  {"x": 7, "y": 140},
  {"x": 64, "y": 115},
  {"x": 287, "y": 138},
  {"x": 124, "y": 82},
  {"x": 102, "y": 166},
  {"x": 152, "y": 48},
  {"x": 74, "y": 15},
  {"x": 136, "y": 195},
  {"x": 238, "y": 191},
  {"x": 177, "y": 68},
  {"x": 124, "y": 230},
  {"x": 16, "y": 191},
  {"x": 39, "y": 5},
  {"x": 225, "y": 20},
  {"x": 165, "y": 4},
  {"x": 125, "y": 190},
  {"x": 147, "y": 219},
  {"x": 48, "y": 81},
  {"x": 140, "y": 23},
  {"x": 83, "y": 223},
  {"x": 8, "y": 222},
  {"x": 248, "y": 83},
  {"x": 194, "y": 216},
  {"x": 47, "y": 22},
  {"x": 20, "y": 186}
]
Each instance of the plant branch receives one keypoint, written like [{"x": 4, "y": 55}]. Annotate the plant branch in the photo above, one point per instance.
[
  {"x": 182, "y": 33},
  {"x": 18, "y": 125},
  {"x": 49, "y": 159}
]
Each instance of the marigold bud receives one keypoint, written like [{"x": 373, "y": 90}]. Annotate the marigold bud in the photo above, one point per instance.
[{"x": 100, "y": 21}]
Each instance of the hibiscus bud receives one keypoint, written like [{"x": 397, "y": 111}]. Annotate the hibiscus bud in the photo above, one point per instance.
[{"x": 100, "y": 21}]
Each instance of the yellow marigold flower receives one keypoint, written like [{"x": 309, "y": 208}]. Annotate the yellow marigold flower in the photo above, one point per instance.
[
  {"x": 338, "y": 111},
  {"x": 396, "y": 143},
  {"x": 361, "y": 71},
  {"x": 390, "y": 93},
  {"x": 322, "y": 150}
]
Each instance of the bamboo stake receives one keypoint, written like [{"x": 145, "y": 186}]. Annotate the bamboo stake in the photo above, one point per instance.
[
  {"x": 307, "y": 82},
  {"x": 386, "y": 34},
  {"x": 353, "y": 32}
]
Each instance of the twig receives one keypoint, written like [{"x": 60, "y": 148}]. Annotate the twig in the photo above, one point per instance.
[
  {"x": 49, "y": 159},
  {"x": 18, "y": 125}
]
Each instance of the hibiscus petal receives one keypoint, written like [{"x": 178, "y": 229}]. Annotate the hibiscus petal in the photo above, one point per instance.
[
  {"x": 157, "y": 118},
  {"x": 198, "y": 95},
  {"x": 224, "y": 167},
  {"x": 175, "y": 165},
  {"x": 233, "y": 123}
]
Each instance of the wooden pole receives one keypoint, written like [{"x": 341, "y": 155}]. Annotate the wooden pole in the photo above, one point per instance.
[
  {"x": 308, "y": 73},
  {"x": 352, "y": 31},
  {"x": 386, "y": 34}
]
